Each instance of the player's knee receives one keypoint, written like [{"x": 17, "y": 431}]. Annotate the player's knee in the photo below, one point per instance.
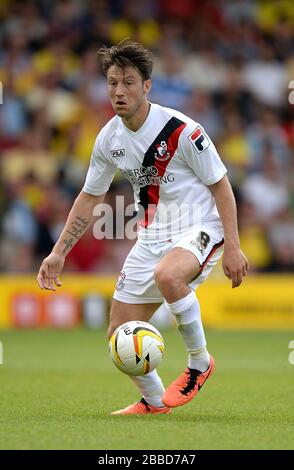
[{"x": 164, "y": 278}]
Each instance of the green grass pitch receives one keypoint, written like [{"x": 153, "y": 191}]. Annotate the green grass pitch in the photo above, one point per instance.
[{"x": 57, "y": 389}]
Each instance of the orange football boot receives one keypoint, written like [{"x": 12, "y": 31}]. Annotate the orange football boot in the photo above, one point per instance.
[
  {"x": 141, "y": 408},
  {"x": 185, "y": 387}
]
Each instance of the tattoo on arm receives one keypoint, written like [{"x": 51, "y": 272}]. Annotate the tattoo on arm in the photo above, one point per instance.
[
  {"x": 77, "y": 229},
  {"x": 68, "y": 245}
]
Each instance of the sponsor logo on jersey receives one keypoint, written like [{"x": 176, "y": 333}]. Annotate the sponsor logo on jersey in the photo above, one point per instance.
[
  {"x": 199, "y": 139},
  {"x": 118, "y": 153},
  {"x": 161, "y": 152},
  {"x": 147, "y": 176}
]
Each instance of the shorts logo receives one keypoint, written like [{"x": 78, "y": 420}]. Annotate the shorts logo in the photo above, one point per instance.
[
  {"x": 201, "y": 242},
  {"x": 199, "y": 139},
  {"x": 118, "y": 153},
  {"x": 120, "y": 282},
  {"x": 162, "y": 154}
]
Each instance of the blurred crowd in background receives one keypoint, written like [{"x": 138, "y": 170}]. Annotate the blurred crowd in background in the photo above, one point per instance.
[{"x": 226, "y": 64}]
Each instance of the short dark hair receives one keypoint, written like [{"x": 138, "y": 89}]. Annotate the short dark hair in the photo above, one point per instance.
[{"x": 127, "y": 53}]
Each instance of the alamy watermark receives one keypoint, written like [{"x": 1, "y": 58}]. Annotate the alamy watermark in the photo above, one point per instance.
[{"x": 126, "y": 221}]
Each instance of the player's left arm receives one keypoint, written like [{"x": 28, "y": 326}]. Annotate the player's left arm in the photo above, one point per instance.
[{"x": 235, "y": 263}]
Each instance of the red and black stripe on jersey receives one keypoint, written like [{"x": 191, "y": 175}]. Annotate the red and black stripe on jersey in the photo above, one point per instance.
[{"x": 149, "y": 194}]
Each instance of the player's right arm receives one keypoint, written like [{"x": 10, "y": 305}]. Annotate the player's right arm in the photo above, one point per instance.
[
  {"x": 99, "y": 177},
  {"x": 79, "y": 220}
]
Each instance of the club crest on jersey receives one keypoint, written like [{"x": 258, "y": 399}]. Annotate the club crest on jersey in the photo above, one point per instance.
[
  {"x": 162, "y": 154},
  {"x": 120, "y": 282},
  {"x": 199, "y": 139}
]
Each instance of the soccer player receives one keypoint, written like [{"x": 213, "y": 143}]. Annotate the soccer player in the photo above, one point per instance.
[{"x": 187, "y": 219}]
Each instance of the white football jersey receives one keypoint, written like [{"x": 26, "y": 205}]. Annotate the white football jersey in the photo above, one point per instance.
[{"x": 170, "y": 162}]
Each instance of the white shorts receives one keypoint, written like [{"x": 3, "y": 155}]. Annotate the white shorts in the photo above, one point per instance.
[{"x": 136, "y": 283}]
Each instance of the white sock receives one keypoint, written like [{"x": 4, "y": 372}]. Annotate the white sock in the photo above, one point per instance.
[
  {"x": 151, "y": 387},
  {"x": 188, "y": 317}
]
